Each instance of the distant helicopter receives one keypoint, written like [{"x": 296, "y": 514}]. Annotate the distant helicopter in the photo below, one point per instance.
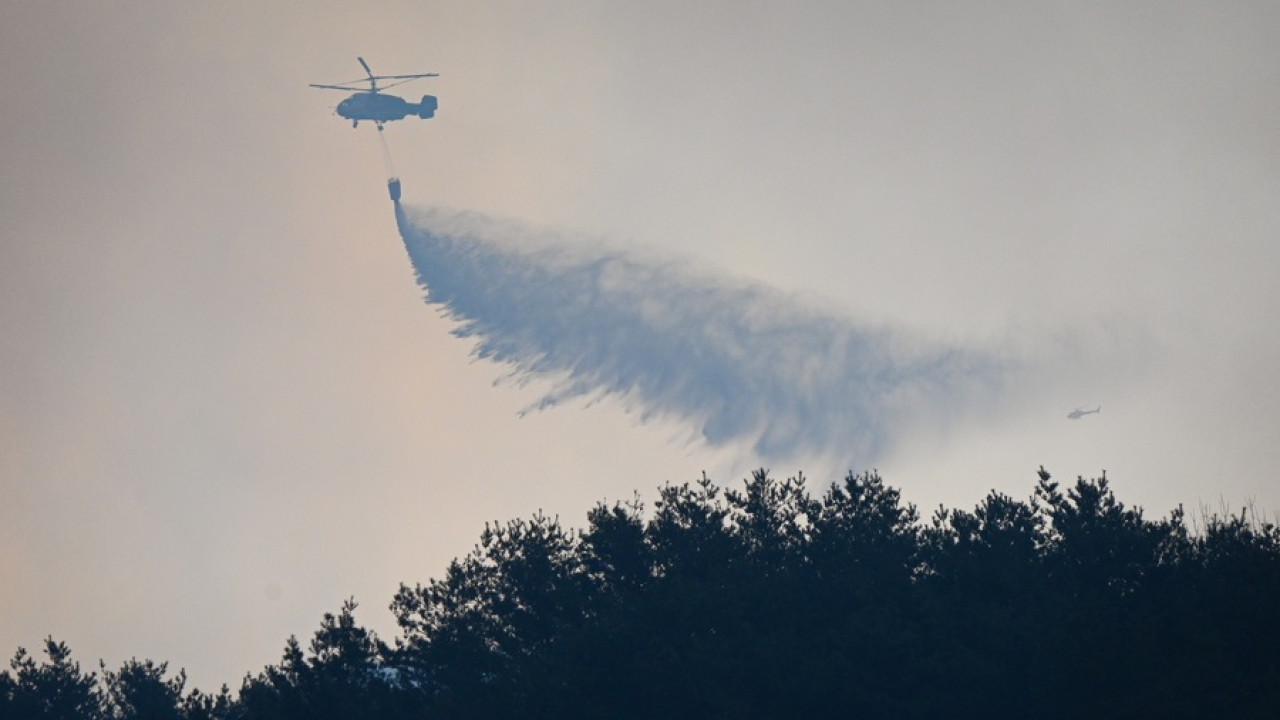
[
  {"x": 371, "y": 104},
  {"x": 1081, "y": 412}
]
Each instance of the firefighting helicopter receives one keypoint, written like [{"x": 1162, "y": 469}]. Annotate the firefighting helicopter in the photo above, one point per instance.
[{"x": 370, "y": 103}]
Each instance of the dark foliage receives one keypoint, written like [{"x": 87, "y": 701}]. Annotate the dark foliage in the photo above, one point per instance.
[{"x": 769, "y": 602}]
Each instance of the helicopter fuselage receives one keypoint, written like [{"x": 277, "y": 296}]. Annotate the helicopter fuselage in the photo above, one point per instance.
[{"x": 380, "y": 108}]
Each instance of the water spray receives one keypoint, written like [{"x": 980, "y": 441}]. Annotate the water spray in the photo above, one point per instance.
[{"x": 735, "y": 360}]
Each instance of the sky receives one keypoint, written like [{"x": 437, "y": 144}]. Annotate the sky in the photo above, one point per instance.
[{"x": 226, "y": 404}]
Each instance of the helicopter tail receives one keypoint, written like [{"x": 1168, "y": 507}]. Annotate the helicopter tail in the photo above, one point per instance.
[{"x": 427, "y": 108}]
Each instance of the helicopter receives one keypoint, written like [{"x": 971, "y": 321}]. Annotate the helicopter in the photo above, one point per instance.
[
  {"x": 1081, "y": 412},
  {"x": 372, "y": 104}
]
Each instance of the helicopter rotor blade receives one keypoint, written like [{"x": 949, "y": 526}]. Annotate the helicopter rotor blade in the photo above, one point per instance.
[
  {"x": 405, "y": 77},
  {"x": 394, "y": 84},
  {"x": 373, "y": 81}
]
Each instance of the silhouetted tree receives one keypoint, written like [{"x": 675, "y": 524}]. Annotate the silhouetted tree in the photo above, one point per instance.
[
  {"x": 198, "y": 705},
  {"x": 473, "y": 634},
  {"x": 139, "y": 691},
  {"x": 342, "y": 676},
  {"x": 765, "y": 601},
  {"x": 980, "y": 579},
  {"x": 55, "y": 689}
]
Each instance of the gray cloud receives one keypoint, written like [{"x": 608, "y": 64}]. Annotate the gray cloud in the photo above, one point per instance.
[{"x": 741, "y": 361}]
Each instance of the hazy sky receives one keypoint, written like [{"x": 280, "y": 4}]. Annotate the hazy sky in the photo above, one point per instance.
[{"x": 225, "y": 407}]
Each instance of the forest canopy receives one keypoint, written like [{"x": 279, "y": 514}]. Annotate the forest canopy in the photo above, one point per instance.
[{"x": 766, "y": 600}]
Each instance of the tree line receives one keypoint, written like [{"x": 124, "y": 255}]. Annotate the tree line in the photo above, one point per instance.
[{"x": 768, "y": 601}]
